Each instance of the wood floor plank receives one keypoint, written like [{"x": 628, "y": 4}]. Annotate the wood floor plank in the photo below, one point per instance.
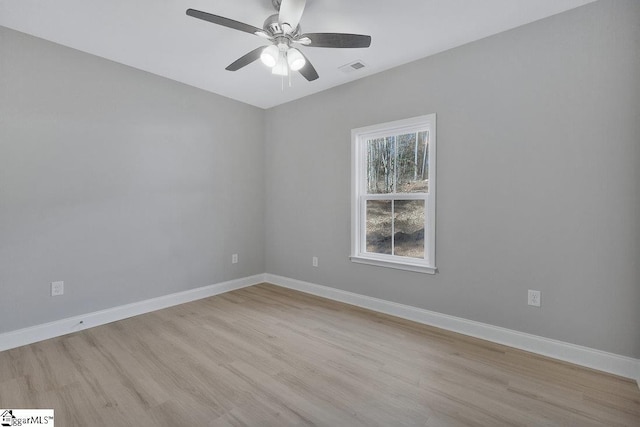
[{"x": 269, "y": 356}]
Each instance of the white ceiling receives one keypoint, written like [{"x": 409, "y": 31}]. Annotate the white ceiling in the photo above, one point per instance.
[{"x": 158, "y": 37}]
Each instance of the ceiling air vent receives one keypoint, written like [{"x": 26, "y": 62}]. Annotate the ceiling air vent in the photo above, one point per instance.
[{"x": 352, "y": 66}]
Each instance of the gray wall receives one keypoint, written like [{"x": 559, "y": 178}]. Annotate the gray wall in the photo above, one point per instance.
[
  {"x": 123, "y": 184},
  {"x": 538, "y": 179}
]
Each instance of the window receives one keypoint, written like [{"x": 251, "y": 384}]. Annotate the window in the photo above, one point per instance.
[{"x": 393, "y": 189}]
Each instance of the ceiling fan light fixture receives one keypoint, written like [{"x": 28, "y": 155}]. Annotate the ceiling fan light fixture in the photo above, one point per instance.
[
  {"x": 295, "y": 59},
  {"x": 270, "y": 56},
  {"x": 281, "y": 68}
]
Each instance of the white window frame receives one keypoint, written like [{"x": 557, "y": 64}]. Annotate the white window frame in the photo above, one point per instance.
[{"x": 359, "y": 195}]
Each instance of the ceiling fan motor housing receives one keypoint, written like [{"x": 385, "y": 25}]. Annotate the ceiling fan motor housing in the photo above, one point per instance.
[{"x": 273, "y": 28}]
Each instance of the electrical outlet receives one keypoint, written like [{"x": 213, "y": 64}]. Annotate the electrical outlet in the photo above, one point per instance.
[
  {"x": 534, "y": 298},
  {"x": 314, "y": 261},
  {"x": 234, "y": 259},
  {"x": 57, "y": 288}
]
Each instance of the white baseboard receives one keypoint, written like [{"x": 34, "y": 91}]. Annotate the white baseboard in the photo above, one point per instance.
[
  {"x": 57, "y": 328},
  {"x": 596, "y": 359}
]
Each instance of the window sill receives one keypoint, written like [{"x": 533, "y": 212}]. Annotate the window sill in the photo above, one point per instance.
[{"x": 418, "y": 268}]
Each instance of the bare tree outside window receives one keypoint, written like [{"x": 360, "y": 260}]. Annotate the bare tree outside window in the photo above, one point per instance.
[{"x": 395, "y": 165}]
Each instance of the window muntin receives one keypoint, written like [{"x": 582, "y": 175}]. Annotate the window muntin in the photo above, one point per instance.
[{"x": 393, "y": 194}]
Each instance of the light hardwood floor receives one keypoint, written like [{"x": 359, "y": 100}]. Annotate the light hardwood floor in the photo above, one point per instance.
[{"x": 268, "y": 356}]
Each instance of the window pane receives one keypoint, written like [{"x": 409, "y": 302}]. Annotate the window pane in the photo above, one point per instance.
[
  {"x": 412, "y": 164},
  {"x": 380, "y": 165},
  {"x": 379, "y": 226},
  {"x": 409, "y": 228}
]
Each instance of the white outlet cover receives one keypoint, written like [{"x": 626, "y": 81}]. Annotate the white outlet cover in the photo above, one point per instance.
[
  {"x": 57, "y": 288},
  {"x": 533, "y": 298}
]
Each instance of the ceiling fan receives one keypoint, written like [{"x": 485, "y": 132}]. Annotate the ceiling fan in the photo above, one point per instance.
[{"x": 283, "y": 30}]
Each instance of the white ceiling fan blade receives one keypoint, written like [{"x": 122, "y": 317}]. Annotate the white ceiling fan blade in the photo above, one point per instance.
[{"x": 290, "y": 14}]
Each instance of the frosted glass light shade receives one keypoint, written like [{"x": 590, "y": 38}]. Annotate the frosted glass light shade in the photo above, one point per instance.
[
  {"x": 295, "y": 59},
  {"x": 281, "y": 68},
  {"x": 269, "y": 56}
]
